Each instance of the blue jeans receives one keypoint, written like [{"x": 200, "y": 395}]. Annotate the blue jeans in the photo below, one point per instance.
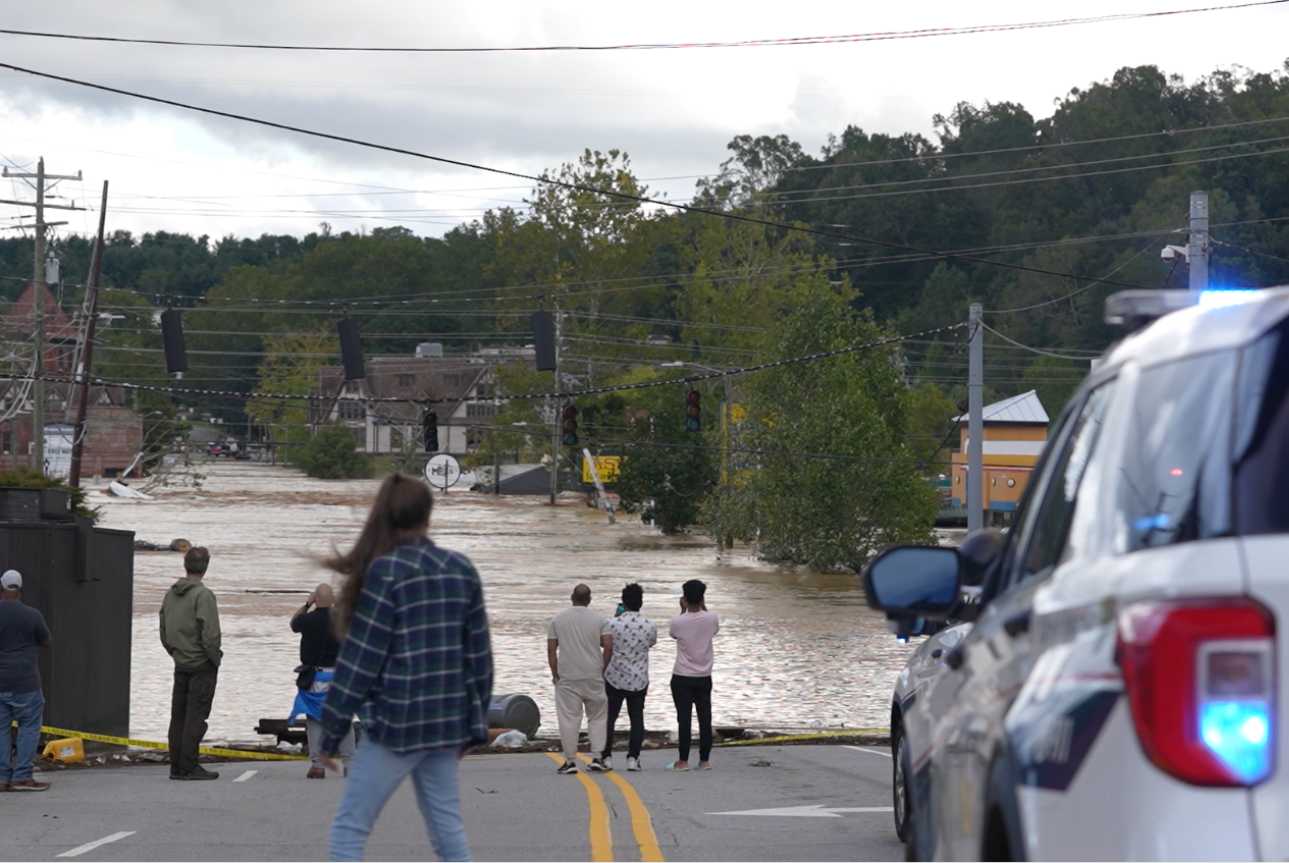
[
  {"x": 27, "y": 708},
  {"x": 375, "y": 774}
]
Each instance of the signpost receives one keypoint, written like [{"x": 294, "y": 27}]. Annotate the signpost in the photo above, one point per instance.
[{"x": 442, "y": 471}]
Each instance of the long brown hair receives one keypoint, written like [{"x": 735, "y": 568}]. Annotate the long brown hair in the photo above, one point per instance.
[{"x": 402, "y": 505}]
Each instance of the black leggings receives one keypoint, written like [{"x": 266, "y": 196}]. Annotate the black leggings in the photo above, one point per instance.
[{"x": 690, "y": 693}]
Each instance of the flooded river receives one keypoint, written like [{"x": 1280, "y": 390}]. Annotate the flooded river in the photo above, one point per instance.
[{"x": 796, "y": 649}]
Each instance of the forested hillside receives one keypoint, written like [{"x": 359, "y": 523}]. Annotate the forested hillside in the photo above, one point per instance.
[{"x": 1090, "y": 191}]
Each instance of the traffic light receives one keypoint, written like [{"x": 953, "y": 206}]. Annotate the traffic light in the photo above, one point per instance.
[
  {"x": 430, "y": 431},
  {"x": 693, "y": 411},
  {"x": 569, "y": 426}
]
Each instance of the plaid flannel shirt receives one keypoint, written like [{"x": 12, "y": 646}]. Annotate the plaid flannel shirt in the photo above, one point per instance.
[{"x": 417, "y": 662}]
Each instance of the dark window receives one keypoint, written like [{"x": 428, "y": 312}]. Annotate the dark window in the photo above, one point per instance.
[
  {"x": 406, "y": 381},
  {"x": 1261, "y": 445},
  {"x": 1045, "y": 544},
  {"x": 477, "y": 409},
  {"x": 1173, "y": 483},
  {"x": 352, "y": 409}
]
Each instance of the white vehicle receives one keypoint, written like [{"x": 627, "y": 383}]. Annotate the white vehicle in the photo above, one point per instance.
[
  {"x": 1118, "y": 695},
  {"x": 913, "y": 710}
]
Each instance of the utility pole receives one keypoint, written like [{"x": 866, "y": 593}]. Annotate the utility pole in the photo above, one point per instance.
[
  {"x": 975, "y": 420},
  {"x": 38, "y": 304},
  {"x": 87, "y": 352},
  {"x": 557, "y": 412},
  {"x": 1197, "y": 248}
]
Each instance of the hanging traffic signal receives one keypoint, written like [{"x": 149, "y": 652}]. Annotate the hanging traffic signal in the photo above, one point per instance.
[
  {"x": 430, "y": 431},
  {"x": 569, "y": 426},
  {"x": 693, "y": 412}
]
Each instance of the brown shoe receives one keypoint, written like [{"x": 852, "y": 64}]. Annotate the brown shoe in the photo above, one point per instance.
[
  {"x": 28, "y": 785},
  {"x": 316, "y": 773}
]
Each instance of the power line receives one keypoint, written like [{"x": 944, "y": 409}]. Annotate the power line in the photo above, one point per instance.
[
  {"x": 1039, "y": 351},
  {"x": 544, "y": 179},
  {"x": 1089, "y": 286},
  {"x": 557, "y": 394},
  {"x": 788, "y": 41}
]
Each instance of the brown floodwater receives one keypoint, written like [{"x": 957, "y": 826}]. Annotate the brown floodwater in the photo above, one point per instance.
[{"x": 796, "y": 648}]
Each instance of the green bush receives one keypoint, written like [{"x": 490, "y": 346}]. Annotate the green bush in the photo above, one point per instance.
[
  {"x": 331, "y": 454},
  {"x": 25, "y": 477}
]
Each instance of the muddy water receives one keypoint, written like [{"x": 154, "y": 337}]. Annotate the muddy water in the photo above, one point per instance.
[{"x": 795, "y": 648}]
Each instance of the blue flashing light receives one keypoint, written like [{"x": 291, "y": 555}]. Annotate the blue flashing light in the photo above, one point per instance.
[
  {"x": 1239, "y": 734},
  {"x": 1218, "y": 297}
]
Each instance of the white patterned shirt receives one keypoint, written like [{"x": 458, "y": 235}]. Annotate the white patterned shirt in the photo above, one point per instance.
[{"x": 633, "y": 635}]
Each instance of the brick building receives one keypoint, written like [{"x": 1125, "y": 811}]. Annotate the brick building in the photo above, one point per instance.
[{"x": 114, "y": 432}]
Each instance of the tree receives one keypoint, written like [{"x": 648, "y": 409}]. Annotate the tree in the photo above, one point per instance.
[
  {"x": 331, "y": 454},
  {"x": 836, "y": 476},
  {"x": 666, "y": 472},
  {"x": 290, "y": 367}
]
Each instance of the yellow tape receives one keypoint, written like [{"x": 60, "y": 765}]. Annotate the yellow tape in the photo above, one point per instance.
[
  {"x": 240, "y": 754},
  {"x": 803, "y": 738}
]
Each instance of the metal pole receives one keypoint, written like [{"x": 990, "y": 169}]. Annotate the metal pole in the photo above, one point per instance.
[
  {"x": 727, "y": 421},
  {"x": 496, "y": 453},
  {"x": 83, "y": 369},
  {"x": 1197, "y": 248},
  {"x": 555, "y": 424},
  {"x": 38, "y": 305},
  {"x": 975, "y": 421}
]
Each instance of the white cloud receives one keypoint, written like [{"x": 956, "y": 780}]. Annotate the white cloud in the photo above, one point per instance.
[{"x": 672, "y": 110}]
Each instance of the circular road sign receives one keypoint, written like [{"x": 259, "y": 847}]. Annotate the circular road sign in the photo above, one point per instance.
[{"x": 442, "y": 471}]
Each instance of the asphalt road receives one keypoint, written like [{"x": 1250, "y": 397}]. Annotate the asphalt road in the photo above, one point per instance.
[{"x": 827, "y": 802}]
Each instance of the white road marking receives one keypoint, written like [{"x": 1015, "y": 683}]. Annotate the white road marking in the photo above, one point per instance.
[
  {"x": 869, "y": 751},
  {"x": 90, "y": 846},
  {"x": 246, "y": 776},
  {"x": 818, "y": 810}
]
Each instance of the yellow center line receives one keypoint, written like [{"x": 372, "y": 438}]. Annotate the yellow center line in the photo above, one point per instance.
[
  {"x": 601, "y": 838},
  {"x": 641, "y": 822}
]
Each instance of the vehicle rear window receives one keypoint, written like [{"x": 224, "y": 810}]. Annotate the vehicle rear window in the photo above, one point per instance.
[
  {"x": 1175, "y": 475},
  {"x": 1261, "y": 445}
]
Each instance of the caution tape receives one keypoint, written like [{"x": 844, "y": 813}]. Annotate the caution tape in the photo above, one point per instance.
[
  {"x": 806, "y": 738},
  {"x": 240, "y": 754}
]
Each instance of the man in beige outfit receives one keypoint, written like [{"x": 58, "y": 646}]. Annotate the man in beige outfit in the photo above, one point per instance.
[{"x": 579, "y": 646}]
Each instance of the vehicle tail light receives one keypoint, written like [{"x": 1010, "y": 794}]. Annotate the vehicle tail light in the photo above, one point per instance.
[{"x": 1200, "y": 678}]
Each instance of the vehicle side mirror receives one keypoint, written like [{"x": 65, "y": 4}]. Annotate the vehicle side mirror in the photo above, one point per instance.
[{"x": 914, "y": 581}]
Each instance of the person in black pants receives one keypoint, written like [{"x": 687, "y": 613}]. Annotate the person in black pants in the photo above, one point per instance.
[
  {"x": 691, "y": 683},
  {"x": 627, "y": 676},
  {"x": 190, "y": 634}
]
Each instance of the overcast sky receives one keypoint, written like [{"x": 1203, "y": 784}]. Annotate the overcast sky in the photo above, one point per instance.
[{"x": 673, "y": 111}]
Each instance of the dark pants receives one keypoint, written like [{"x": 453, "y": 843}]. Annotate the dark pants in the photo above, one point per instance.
[
  {"x": 189, "y": 709},
  {"x": 692, "y": 693},
  {"x": 635, "y": 709}
]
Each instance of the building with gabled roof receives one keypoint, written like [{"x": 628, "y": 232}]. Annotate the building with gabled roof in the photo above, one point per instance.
[{"x": 1015, "y": 432}]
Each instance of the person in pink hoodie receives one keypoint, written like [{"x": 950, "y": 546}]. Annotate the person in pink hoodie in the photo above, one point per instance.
[{"x": 691, "y": 680}]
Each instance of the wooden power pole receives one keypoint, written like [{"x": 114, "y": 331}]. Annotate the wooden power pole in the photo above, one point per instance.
[{"x": 87, "y": 352}]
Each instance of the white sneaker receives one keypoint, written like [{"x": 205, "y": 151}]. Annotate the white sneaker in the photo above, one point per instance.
[
  {"x": 633, "y": 765},
  {"x": 607, "y": 761}
]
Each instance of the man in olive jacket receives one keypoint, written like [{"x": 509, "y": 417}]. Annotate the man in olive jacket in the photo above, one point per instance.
[{"x": 190, "y": 634}]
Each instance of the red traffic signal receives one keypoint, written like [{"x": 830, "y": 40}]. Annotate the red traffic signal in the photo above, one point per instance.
[
  {"x": 693, "y": 411},
  {"x": 569, "y": 426}
]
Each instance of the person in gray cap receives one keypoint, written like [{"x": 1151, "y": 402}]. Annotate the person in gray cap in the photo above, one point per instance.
[{"x": 22, "y": 633}]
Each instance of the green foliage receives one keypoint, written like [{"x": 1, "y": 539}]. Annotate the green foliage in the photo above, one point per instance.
[
  {"x": 25, "y": 477},
  {"x": 667, "y": 472},
  {"x": 836, "y": 476},
  {"x": 331, "y": 454}
]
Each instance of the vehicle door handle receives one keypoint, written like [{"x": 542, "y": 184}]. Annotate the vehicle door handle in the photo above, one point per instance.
[
  {"x": 954, "y": 658},
  {"x": 1018, "y": 623}
]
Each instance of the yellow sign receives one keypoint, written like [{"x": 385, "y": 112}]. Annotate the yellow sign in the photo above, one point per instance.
[
  {"x": 738, "y": 413},
  {"x": 606, "y": 466}
]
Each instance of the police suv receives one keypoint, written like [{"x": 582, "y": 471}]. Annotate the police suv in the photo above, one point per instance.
[{"x": 1118, "y": 696}]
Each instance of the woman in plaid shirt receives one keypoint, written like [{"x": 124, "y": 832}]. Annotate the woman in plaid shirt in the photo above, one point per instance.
[{"x": 415, "y": 664}]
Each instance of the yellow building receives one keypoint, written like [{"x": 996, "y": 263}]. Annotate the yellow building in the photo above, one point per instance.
[{"x": 1015, "y": 433}]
